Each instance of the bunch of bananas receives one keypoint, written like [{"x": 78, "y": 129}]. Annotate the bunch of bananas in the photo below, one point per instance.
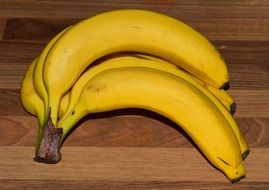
[{"x": 135, "y": 59}]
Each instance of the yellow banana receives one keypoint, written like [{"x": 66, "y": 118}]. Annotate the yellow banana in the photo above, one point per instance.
[
  {"x": 29, "y": 98},
  {"x": 129, "y": 30},
  {"x": 170, "y": 96},
  {"x": 33, "y": 103},
  {"x": 130, "y": 61},
  {"x": 220, "y": 94},
  {"x": 33, "y": 93},
  {"x": 38, "y": 73}
]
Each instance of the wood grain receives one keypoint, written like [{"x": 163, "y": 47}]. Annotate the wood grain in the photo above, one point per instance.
[
  {"x": 2, "y": 27},
  {"x": 133, "y": 149},
  {"x": 127, "y": 185},
  {"x": 247, "y": 76},
  {"x": 15, "y": 59},
  {"x": 124, "y": 166},
  {"x": 251, "y": 102},
  {"x": 19, "y": 53},
  {"x": 244, "y": 52},
  {"x": 180, "y": 9},
  {"x": 232, "y": 29},
  {"x": 28, "y": 29},
  {"x": 227, "y": 29},
  {"x": 109, "y": 130}
]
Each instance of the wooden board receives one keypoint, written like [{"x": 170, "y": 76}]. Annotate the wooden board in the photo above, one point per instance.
[
  {"x": 125, "y": 168},
  {"x": 133, "y": 149}
]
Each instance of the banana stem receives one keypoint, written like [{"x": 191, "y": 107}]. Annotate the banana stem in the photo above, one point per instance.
[
  {"x": 50, "y": 137},
  {"x": 49, "y": 148},
  {"x": 48, "y": 142}
]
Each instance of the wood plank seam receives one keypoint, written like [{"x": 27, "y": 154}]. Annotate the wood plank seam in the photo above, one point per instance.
[{"x": 2, "y": 27}]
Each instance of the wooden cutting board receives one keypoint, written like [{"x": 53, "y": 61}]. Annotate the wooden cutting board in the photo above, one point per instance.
[{"x": 133, "y": 149}]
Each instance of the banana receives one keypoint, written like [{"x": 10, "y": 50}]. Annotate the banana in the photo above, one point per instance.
[
  {"x": 220, "y": 94},
  {"x": 170, "y": 96},
  {"x": 33, "y": 94},
  {"x": 33, "y": 103},
  {"x": 38, "y": 73},
  {"x": 131, "y": 61},
  {"x": 128, "y": 30},
  {"x": 28, "y": 96}
]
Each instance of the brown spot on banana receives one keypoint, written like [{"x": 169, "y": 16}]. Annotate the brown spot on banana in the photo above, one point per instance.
[{"x": 96, "y": 88}]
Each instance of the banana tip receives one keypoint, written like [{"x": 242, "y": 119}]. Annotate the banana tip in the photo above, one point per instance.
[
  {"x": 233, "y": 108},
  {"x": 237, "y": 179},
  {"x": 226, "y": 85},
  {"x": 245, "y": 154}
]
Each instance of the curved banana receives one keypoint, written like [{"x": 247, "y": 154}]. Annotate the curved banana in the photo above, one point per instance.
[
  {"x": 33, "y": 103},
  {"x": 35, "y": 106},
  {"x": 170, "y": 96},
  {"x": 130, "y": 61},
  {"x": 28, "y": 96},
  {"x": 38, "y": 73},
  {"x": 220, "y": 94},
  {"x": 33, "y": 93},
  {"x": 129, "y": 30}
]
